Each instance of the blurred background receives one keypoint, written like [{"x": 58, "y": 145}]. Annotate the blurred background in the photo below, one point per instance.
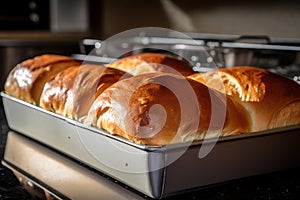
[{"x": 31, "y": 27}]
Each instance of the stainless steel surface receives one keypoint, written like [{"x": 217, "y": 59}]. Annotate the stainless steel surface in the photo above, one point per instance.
[
  {"x": 206, "y": 52},
  {"x": 53, "y": 172},
  {"x": 278, "y": 185},
  {"x": 131, "y": 167},
  {"x": 68, "y": 16},
  {"x": 135, "y": 165},
  {"x": 10, "y": 187}
]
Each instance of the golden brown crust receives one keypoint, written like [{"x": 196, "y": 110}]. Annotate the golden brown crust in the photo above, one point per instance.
[
  {"x": 71, "y": 92},
  {"x": 158, "y": 109},
  {"x": 152, "y": 62},
  {"x": 288, "y": 115},
  {"x": 27, "y": 79},
  {"x": 264, "y": 94},
  {"x": 245, "y": 83}
]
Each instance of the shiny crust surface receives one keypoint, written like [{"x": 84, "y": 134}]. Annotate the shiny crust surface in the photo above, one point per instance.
[
  {"x": 158, "y": 105},
  {"x": 27, "y": 79},
  {"x": 152, "y": 62},
  {"x": 159, "y": 109},
  {"x": 72, "y": 91},
  {"x": 246, "y": 83},
  {"x": 264, "y": 94}
]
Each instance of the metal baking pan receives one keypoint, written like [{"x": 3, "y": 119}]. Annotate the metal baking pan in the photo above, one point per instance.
[
  {"x": 49, "y": 172},
  {"x": 157, "y": 171}
]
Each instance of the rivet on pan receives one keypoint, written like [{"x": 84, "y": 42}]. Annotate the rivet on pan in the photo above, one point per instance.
[
  {"x": 98, "y": 45},
  {"x": 209, "y": 59},
  {"x": 194, "y": 58}
]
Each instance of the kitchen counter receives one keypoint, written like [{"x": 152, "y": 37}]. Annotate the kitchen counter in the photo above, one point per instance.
[{"x": 279, "y": 185}]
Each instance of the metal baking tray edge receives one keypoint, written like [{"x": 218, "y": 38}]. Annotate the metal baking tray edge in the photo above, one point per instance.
[
  {"x": 153, "y": 170},
  {"x": 113, "y": 157},
  {"x": 56, "y": 175}
]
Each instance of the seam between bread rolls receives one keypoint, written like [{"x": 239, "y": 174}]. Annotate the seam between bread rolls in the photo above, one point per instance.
[
  {"x": 114, "y": 115},
  {"x": 156, "y": 108}
]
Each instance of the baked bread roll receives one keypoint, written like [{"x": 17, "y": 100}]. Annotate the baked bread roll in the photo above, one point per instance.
[
  {"x": 159, "y": 109},
  {"x": 71, "y": 92},
  {"x": 272, "y": 100},
  {"x": 152, "y": 62},
  {"x": 27, "y": 79}
]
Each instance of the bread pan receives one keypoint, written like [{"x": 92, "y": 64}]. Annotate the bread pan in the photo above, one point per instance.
[{"x": 157, "y": 171}]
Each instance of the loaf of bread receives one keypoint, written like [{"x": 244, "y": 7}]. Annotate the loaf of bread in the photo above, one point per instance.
[
  {"x": 152, "y": 62},
  {"x": 271, "y": 100},
  {"x": 160, "y": 108},
  {"x": 27, "y": 79},
  {"x": 71, "y": 92}
]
